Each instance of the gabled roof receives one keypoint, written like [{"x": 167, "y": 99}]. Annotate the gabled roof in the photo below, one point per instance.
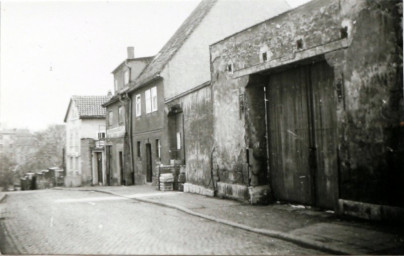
[
  {"x": 145, "y": 59},
  {"x": 175, "y": 42},
  {"x": 88, "y": 106}
]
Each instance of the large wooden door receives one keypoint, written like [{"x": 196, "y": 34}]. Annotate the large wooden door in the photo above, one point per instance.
[
  {"x": 325, "y": 130},
  {"x": 302, "y": 135}
]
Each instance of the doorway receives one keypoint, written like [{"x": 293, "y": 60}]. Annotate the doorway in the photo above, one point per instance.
[
  {"x": 121, "y": 168},
  {"x": 99, "y": 167},
  {"x": 109, "y": 163},
  {"x": 176, "y": 134},
  {"x": 302, "y": 135},
  {"x": 149, "y": 166}
]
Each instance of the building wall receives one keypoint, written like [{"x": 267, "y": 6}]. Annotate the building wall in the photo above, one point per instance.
[
  {"x": 90, "y": 128},
  {"x": 73, "y": 126},
  {"x": 86, "y": 161},
  {"x": 135, "y": 66},
  {"x": 115, "y": 138},
  {"x": 198, "y": 130},
  {"x": 190, "y": 65},
  {"x": 116, "y": 147},
  {"x": 146, "y": 129},
  {"x": 368, "y": 85},
  {"x": 79, "y": 131}
]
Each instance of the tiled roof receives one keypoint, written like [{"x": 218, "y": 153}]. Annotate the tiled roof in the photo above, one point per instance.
[
  {"x": 90, "y": 106},
  {"x": 175, "y": 42}
]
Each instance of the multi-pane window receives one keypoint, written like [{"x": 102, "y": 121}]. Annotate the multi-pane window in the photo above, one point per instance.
[
  {"x": 138, "y": 105},
  {"x": 148, "y": 101},
  {"x": 151, "y": 99},
  {"x": 126, "y": 77},
  {"x": 110, "y": 118},
  {"x": 121, "y": 115},
  {"x": 154, "y": 99}
]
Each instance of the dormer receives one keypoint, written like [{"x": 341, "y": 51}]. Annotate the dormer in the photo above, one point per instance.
[{"x": 129, "y": 70}]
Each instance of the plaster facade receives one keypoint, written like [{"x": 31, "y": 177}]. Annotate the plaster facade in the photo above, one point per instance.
[{"x": 361, "y": 43}]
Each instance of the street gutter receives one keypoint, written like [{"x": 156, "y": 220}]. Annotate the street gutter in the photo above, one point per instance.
[{"x": 271, "y": 233}]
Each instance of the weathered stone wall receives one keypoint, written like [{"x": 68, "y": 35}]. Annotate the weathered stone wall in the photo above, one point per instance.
[
  {"x": 362, "y": 41},
  {"x": 198, "y": 131}
]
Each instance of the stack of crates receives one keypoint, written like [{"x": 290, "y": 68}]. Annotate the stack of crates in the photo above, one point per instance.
[{"x": 166, "y": 181}]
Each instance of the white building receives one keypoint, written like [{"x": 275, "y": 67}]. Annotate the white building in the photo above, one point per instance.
[{"x": 85, "y": 123}]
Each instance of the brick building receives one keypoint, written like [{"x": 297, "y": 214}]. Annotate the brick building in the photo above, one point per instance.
[{"x": 307, "y": 109}]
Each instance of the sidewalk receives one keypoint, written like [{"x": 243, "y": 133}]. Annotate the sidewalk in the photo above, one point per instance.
[{"x": 308, "y": 227}]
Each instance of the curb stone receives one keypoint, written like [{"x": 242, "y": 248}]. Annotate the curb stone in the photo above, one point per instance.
[
  {"x": 2, "y": 197},
  {"x": 271, "y": 233}
]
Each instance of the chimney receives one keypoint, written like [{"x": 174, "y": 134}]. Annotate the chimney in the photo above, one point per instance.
[{"x": 131, "y": 52}]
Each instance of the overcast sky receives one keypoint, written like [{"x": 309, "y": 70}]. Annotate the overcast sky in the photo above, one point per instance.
[{"x": 51, "y": 50}]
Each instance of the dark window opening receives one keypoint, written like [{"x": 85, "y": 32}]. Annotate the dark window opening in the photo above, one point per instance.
[
  {"x": 344, "y": 32},
  {"x": 299, "y": 44},
  {"x": 138, "y": 149},
  {"x": 264, "y": 56},
  {"x": 229, "y": 68}
]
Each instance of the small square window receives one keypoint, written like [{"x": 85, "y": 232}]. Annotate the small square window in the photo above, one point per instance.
[
  {"x": 344, "y": 32},
  {"x": 264, "y": 56},
  {"x": 229, "y": 68},
  {"x": 138, "y": 149},
  {"x": 299, "y": 44}
]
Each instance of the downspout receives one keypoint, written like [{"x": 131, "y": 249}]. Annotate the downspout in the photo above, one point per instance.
[
  {"x": 211, "y": 172},
  {"x": 183, "y": 136},
  {"x": 130, "y": 124},
  {"x": 267, "y": 133},
  {"x": 130, "y": 137}
]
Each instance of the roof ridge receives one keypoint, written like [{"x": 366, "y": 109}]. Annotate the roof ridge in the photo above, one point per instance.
[{"x": 176, "y": 41}]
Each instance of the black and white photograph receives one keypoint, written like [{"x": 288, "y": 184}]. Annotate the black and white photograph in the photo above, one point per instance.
[{"x": 201, "y": 127}]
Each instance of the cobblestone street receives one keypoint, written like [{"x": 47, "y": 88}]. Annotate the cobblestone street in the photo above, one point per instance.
[{"x": 86, "y": 222}]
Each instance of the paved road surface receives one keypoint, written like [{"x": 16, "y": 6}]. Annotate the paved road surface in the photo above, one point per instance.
[{"x": 85, "y": 222}]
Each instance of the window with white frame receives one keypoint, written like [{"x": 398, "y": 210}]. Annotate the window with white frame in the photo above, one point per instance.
[
  {"x": 178, "y": 140},
  {"x": 116, "y": 84},
  {"x": 138, "y": 105},
  {"x": 126, "y": 77},
  {"x": 154, "y": 99},
  {"x": 110, "y": 118},
  {"x": 120, "y": 115},
  {"x": 147, "y": 101}
]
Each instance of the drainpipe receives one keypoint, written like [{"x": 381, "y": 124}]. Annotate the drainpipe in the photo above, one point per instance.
[
  {"x": 131, "y": 137},
  {"x": 266, "y": 132},
  {"x": 211, "y": 172},
  {"x": 183, "y": 136}
]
